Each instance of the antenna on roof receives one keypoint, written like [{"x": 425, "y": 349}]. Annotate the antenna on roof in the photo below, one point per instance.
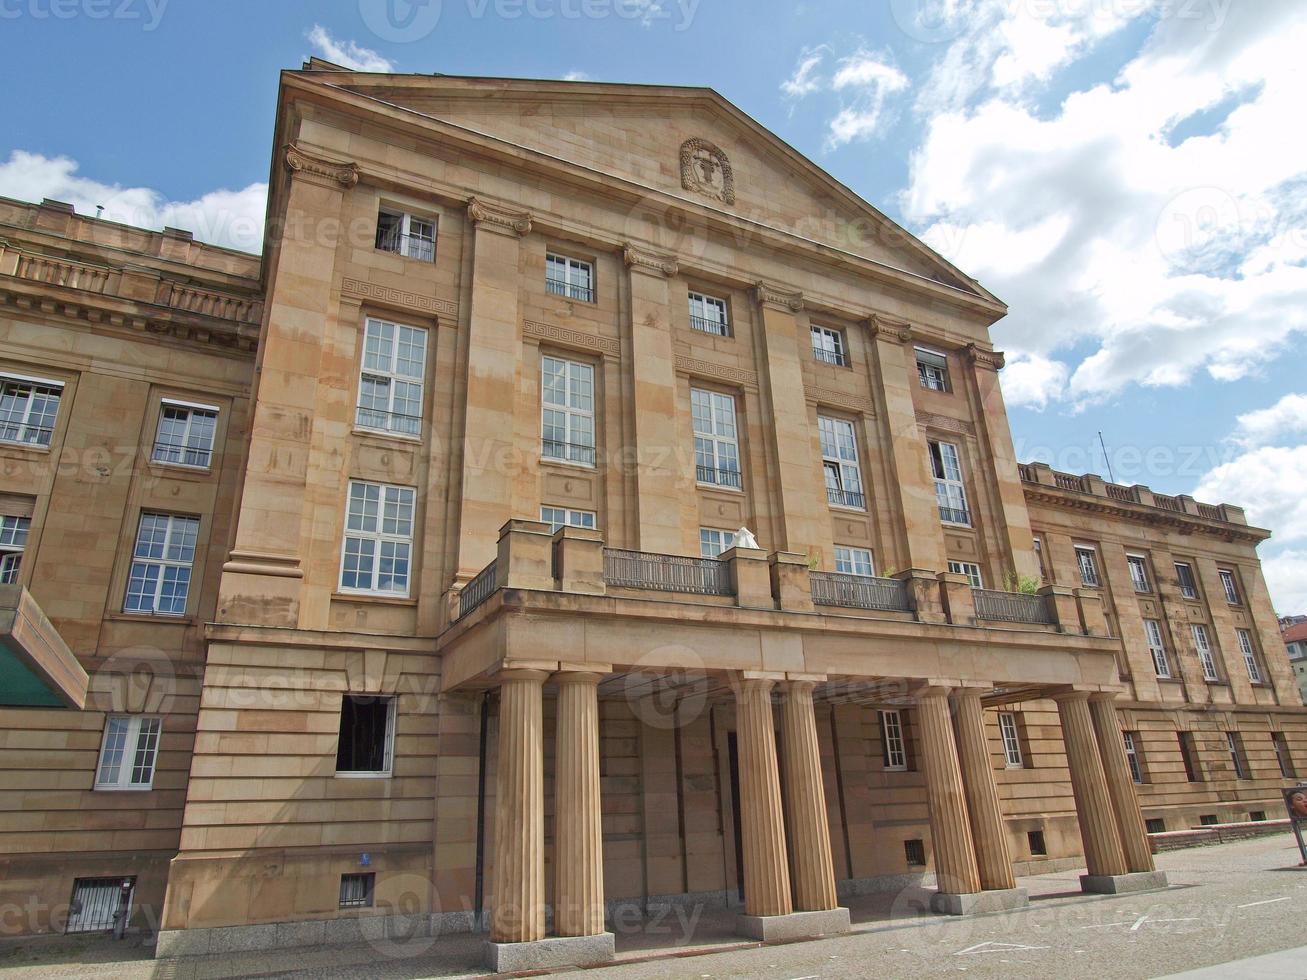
[
  {"x": 1106, "y": 459},
  {"x": 99, "y": 210}
]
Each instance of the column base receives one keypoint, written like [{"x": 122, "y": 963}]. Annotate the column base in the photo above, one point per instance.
[
  {"x": 1140, "y": 881},
  {"x": 546, "y": 954},
  {"x": 979, "y": 903},
  {"x": 796, "y": 925}
]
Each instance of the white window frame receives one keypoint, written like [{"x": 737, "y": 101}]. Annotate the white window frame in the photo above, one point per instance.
[
  {"x": 1249, "y": 655},
  {"x": 1007, "y": 726},
  {"x": 715, "y": 537},
  {"x": 410, "y": 241},
  {"x": 1237, "y": 759},
  {"x": 137, "y": 750},
  {"x": 971, "y": 570},
  {"x": 1203, "y": 644},
  {"x": 560, "y": 517},
  {"x": 25, "y": 428},
  {"x": 931, "y": 375},
  {"x": 1141, "y": 582},
  {"x": 828, "y": 346},
  {"x": 1157, "y": 647},
  {"x": 1230, "y": 585},
  {"x": 950, "y": 484},
  {"x": 574, "y": 416},
  {"x": 716, "y": 439},
  {"x": 387, "y": 368},
  {"x": 174, "y": 543},
  {"x": 577, "y": 280},
  {"x": 855, "y": 561},
  {"x": 1283, "y": 757},
  {"x": 391, "y": 504},
  {"x": 701, "y": 304},
  {"x": 839, "y": 463},
  {"x": 185, "y": 450},
  {"x": 1189, "y": 591},
  {"x": 1089, "y": 577},
  {"x": 893, "y": 741},
  {"x": 388, "y": 751},
  {"x": 1132, "y": 758},
  {"x": 13, "y": 542}
]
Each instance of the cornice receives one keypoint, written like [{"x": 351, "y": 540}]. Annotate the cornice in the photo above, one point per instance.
[
  {"x": 493, "y": 216},
  {"x": 1186, "y": 524},
  {"x": 304, "y": 164},
  {"x": 778, "y": 297},
  {"x": 644, "y": 260}
]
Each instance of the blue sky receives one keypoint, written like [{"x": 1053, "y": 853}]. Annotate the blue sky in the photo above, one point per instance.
[{"x": 1127, "y": 174}]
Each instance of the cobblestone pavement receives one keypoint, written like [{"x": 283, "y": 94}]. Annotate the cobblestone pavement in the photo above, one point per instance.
[{"x": 1227, "y": 903}]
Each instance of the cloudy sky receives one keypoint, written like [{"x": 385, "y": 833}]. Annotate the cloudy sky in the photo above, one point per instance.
[{"x": 1128, "y": 175}]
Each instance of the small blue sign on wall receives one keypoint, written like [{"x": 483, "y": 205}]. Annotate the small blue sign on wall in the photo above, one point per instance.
[{"x": 365, "y": 859}]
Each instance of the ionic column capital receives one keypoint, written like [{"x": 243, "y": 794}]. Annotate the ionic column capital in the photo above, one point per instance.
[
  {"x": 778, "y": 297},
  {"x": 496, "y": 217},
  {"x": 650, "y": 262},
  {"x": 992, "y": 360},
  {"x": 888, "y": 329},
  {"x": 320, "y": 170}
]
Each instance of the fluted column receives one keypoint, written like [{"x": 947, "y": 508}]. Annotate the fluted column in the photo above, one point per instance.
[
  {"x": 814, "y": 870},
  {"x": 955, "y": 854},
  {"x": 1120, "y": 785},
  {"x": 518, "y": 907},
  {"x": 993, "y": 857},
  {"x": 1102, "y": 841},
  {"x": 578, "y": 826},
  {"x": 766, "y": 869}
]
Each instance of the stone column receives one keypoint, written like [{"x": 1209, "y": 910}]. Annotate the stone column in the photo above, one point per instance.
[
  {"x": 814, "y": 870},
  {"x": 766, "y": 868},
  {"x": 578, "y": 816},
  {"x": 518, "y": 906},
  {"x": 955, "y": 854},
  {"x": 993, "y": 857},
  {"x": 1120, "y": 784},
  {"x": 1098, "y": 830}
]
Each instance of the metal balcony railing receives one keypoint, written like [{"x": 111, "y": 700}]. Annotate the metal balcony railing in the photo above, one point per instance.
[
  {"x": 422, "y": 249},
  {"x": 569, "y": 452},
  {"x": 479, "y": 589},
  {"x": 26, "y": 434},
  {"x": 860, "y": 592},
  {"x": 846, "y": 498},
  {"x": 835, "y": 357},
  {"x": 178, "y": 455},
  {"x": 666, "y": 573},
  {"x": 955, "y": 515},
  {"x": 716, "y": 477},
  {"x": 718, "y": 327},
  {"x": 398, "y": 422},
  {"x": 559, "y": 287},
  {"x": 1013, "y": 607}
]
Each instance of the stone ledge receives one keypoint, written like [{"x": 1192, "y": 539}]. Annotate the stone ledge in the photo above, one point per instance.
[
  {"x": 1140, "y": 881},
  {"x": 796, "y": 925},
  {"x": 979, "y": 903},
  {"x": 551, "y": 953}
]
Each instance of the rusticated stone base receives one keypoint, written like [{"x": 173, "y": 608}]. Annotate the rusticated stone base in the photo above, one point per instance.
[
  {"x": 1142, "y": 881},
  {"x": 796, "y": 925},
  {"x": 979, "y": 902},
  {"x": 548, "y": 954}
]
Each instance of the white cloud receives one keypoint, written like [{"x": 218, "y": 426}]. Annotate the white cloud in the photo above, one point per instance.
[
  {"x": 347, "y": 54},
  {"x": 1287, "y": 417},
  {"x": 233, "y": 218},
  {"x": 576, "y": 75},
  {"x": 1286, "y": 579},
  {"x": 1032, "y": 380},
  {"x": 863, "y": 81},
  {"x": 804, "y": 81}
]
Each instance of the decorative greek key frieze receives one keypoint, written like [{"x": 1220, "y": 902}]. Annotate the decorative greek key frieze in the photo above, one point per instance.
[
  {"x": 644, "y": 260},
  {"x": 304, "y": 164},
  {"x": 945, "y": 424},
  {"x": 498, "y": 217},
  {"x": 838, "y": 399},
  {"x": 397, "y": 297},
  {"x": 571, "y": 338},
  {"x": 707, "y": 369},
  {"x": 769, "y": 294},
  {"x": 706, "y": 170},
  {"x": 992, "y": 359}
]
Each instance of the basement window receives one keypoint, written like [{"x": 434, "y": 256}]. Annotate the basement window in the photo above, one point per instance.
[
  {"x": 915, "y": 852},
  {"x": 1037, "y": 846},
  {"x": 1155, "y": 825},
  {"x": 356, "y": 890},
  {"x": 367, "y": 736},
  {"x": 1208, "y": 820},
  {"x": 1257, "y": 816}
]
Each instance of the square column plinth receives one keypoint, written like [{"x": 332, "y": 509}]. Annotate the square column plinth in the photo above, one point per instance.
[
  {"x": 796, "y": 925},
  {"x": 1143, "y": 881},
  {"x": 978, "y": 903},
  {"x": 550, "y": 954}
]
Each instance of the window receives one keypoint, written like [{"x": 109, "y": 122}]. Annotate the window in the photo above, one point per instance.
[
  {"x": 712, "y": 541},
  {"x": 378, "y": 539},
  {"x": 1131, "y": 740},
  {"x": 569, "y": 277},
  {"x": 160, "y": 578},
  {"x": 708, "y": 314},
  {"x": 828, "y": 346},
  {"x": 914, "y": 851},
  {"x": 1039, "y": 557},
  {"x": 1155, "y": 825},
  {"x": 1234, "y": 743},
  {"x": 894, "y": 750},
  {"x": 1249, "y": 655},
  {"x": 406, "y": 234},
  {"x": 1184, "y": 575},
  {"x": 367, "y": 736},
  {"x": 356, "y": 890},
  {"x": 932, "y": 370},
  {"x": 1256, "y": 816},
  {"x": 839, "y": 458},
  {"x": 1230, "y": 586},
  {"x": 1208, "y": 820},
  {"x": 128, "y": 753},
  {"x": 390, "y": 382},
  {"x": 949, "y": 491},
  {"x": 185, "y": 434},
  {"x": 1189, "y": 756},
  {"x": 13, "y": 539},
  {"x": 28, "y": 408},
  {"x": 854, "y": 561},
  {"x": 1007, "y": 726},
  {"x": 98, "y": 904},
  {"x": 1282, "y": 755},
  {"x": 1204, "y": 647},
  {"x": 1035, "y": 839},
  {"x": 970, "y": 570},
  {"x": 1087, "y": 560},
  {"x": 567, "y": 411},
  {"x": 1139, "y": 572},
  {"x": 562, "y": 517},
  {"x": 1157, "y": 648},
  {"x": 716, "y": 450}
]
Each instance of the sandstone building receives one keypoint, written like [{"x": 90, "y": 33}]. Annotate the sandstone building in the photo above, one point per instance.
[{"x": 392, "y": 579}]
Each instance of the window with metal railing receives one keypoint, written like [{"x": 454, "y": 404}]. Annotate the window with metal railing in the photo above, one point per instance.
[
  {"x": 185, "y": 434},
  {"x": 28, "y": 409},
  {"x": 1161, "y": 664},
  {"x": 950, "y": 492},
  {"x": 839, "y": 453},
  {"x": 1249, "y": 655},
  {"x": 407, "y": 235},
  {"x": 159, "y": 581},
  {"x": 392, "y": 378},
  {"x": 570, "y": 278},
  {"x": 716, "y": 439},
  {"x": 1184, "y": 575},
  {"x": 932, "y": 370},
  {"x": 828, "y": 346},
  {"x": 708, "y": 314},
  {"x": 567, "y": 411},
  {"x": 1139, "y": 573},
  {"x": 1203, "y": 645}
]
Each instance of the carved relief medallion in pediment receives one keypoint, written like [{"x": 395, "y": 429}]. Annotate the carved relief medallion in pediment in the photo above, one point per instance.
[{"x": 706, "y": 170}]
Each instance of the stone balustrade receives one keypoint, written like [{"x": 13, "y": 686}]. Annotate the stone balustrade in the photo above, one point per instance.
[{"x": 1093, "y": 485}]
